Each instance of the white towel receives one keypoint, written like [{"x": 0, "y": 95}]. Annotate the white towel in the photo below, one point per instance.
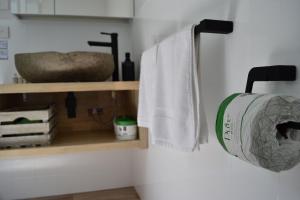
[{"x": 170, "y": 102}]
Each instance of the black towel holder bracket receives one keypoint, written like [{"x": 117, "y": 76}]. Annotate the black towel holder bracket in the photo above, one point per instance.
[
  {"x": 274, "y": 73},
  {"x": 214, "y": 26}
]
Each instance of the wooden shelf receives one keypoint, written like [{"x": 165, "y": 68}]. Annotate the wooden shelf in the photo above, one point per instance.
[
  {"x": 79, "y": 142},
  {"x": 89, "y": 95},
  {"x": 68, "y": 87}
]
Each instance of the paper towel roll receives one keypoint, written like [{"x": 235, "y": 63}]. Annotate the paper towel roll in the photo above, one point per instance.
[{"x": 246, "y": 127}]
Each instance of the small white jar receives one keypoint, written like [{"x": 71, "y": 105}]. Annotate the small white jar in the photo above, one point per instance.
[{"x": 125, "y": 128}]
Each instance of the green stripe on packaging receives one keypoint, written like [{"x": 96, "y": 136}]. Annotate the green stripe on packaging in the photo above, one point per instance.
[
  {"x": 125, "y": 121},
  {"x": 220, "y": 118}
]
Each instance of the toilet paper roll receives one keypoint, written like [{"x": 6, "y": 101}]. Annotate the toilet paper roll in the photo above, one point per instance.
[{"x": 247, "y": 127}]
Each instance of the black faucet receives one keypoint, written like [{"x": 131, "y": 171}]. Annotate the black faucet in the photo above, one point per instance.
[{"x": 114, "y": 46}]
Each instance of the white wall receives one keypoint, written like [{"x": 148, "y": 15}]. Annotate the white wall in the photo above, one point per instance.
[
  {"x": 28, "y": 177},
  {"x": 43, "y": 176},
  {"x": 266, "y": 32}
]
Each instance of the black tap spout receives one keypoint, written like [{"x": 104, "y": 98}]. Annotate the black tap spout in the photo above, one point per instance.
[
  {"x": 100, "y": 44},
  {"x": 114, "y": 46}
]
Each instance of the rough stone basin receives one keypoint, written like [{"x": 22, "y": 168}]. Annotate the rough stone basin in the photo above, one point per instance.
[{"x": 78, "y": 66}]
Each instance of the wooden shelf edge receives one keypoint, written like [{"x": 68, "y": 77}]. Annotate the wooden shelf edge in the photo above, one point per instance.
[
  {"x": 53, "y": 150},
  {"x": 68, "y": 87},
  {"x": 141, "y": 143},
  {"x": 143, "y": 134}
]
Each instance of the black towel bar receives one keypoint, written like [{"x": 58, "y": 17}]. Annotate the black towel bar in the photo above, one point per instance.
[{"x": 214, "y": 26}]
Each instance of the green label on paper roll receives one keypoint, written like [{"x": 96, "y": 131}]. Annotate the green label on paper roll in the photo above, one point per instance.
[{"x": 220, "y": 118}]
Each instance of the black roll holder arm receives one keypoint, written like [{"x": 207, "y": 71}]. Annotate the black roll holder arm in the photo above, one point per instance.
[
  {"x": 274, "y": 73},
  {"x": 270, "y": 73}
]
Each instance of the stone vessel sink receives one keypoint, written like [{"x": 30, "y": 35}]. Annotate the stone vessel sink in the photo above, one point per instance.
[{"x": 78, "y": 66}]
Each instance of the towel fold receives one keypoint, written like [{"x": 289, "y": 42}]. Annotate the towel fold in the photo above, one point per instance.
[{"x": 170, "y": 102}]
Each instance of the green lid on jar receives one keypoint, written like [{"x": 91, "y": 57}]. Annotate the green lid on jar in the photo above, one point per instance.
[{"x": 125, "y": 121}]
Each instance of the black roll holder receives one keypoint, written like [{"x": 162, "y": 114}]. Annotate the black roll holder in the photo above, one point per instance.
[
  {"x": 274, "y": 73},
  {"x": 270, "y": 73}
]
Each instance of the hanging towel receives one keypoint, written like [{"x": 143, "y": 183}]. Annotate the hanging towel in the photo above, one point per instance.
[{"x": 170, "y": 102}]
